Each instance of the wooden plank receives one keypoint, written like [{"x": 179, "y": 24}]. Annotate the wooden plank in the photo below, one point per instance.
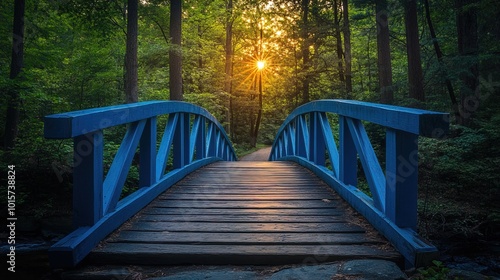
[
  {"x": 310, "y": 187},
  {"x": 240, "y": 204},
  {"x": 247, "y": 211},
  {"x": 245, "y": 227},
  {"x": 242, "y": 218},
  {"x": 167, "y": 254},
  {"x": 260, "y": 180},
  {"x": 246, "y": 197},
  {"x": 231, "y": 238},
  {"x": 249, "y": 191}
]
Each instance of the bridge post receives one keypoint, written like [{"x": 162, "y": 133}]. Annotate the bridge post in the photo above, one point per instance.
[
  {"x": 401, "y": 178},
  {"x": 301, "y": 136},
  {"x": 201, "y": 139},
  {"x": 147, "y": 154},
  {"x": 181, "y": 141},
  {"x": 348, "y": 162},
  {"x": 316, "y": 140},
  {"x": 88, "y": 169},
  {"x": 211, "y": 141}
]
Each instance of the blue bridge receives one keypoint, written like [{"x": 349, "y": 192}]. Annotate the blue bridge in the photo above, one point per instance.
[{"x": 209, "y": 208}]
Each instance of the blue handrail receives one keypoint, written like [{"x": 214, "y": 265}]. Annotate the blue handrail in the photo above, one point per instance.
[
  {"x": 306, "y": 137},
  {"x": 197, "y": 139}
]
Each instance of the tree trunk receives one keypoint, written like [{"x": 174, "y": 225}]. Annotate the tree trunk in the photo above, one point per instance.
[
  {"x": 439, "y": 55},
  {"x": 347, "y": 49},
  {"x": 228, "y": 63},
  {"x": 131, "y": 87},
  {"x": 340, "y": 51},
  {"x": 415, "y": 75},
  {"x": 175, "y": 53},
  {"x": 384, "y": 53},
  {"x": 14, "y": 99},
  {"x": 468, "y": 49},
  {"x": 306, "y": 60}
]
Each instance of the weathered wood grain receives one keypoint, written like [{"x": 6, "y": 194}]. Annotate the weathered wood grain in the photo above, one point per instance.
[
  {"x": 245, "y": 227},
  {"x": 156, "y": 254},
  {"x": 238, "y": 238},
  {"x": 219, "y": 196},
  {"x": 260, "y": 212},
  {"x": 280, "y": 204},
  {"x": 244, "y": 218},
  {"x": 244, "y": 213}
]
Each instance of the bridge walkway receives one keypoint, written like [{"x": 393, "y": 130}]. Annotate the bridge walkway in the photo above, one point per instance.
[{"x": 245, "y": 212}]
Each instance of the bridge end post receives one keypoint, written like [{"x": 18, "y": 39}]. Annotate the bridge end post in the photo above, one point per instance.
[
  {"x": 401, "y": 178},
  {"x": 88, "y": 151}
]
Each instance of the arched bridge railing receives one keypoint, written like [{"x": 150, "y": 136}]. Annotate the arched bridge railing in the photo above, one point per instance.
[
  {"x": 307, "y": 138},
  {"x": 191, "y": 133}
]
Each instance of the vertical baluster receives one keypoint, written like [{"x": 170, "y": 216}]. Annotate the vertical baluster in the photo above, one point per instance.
[
  {"x": 347, "y": 155},
  {"x": 316, "y": 140},
  {"x": 181, "y": 141},
  {"x": 401, "y": 177},
  {"x": 291, "y": 139},
  {"x": 147, "y": 163},
  {"x": 88, "y": 179},
  {"x": 302, "y": 137},
  {"x": 211, "y": 141},
  {"x": 201, "y": 138}
]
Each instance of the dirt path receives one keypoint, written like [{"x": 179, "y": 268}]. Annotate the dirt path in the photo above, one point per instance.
[{"x": 260, "y": 155}]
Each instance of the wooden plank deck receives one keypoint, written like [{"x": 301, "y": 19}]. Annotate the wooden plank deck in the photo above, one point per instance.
[{"x": 261, "y": 213}]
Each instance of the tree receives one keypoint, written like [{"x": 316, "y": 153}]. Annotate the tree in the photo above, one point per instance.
[
  {"x": 439, "y": 55},
  {"x": 415, "y": 75},
  {"x": 14, "y": 99},
  {"x": 306, "y": 54},
  {"x": 336, "y": 7},
  {"x": 384, "y": 53},
  {"x": 175, "y": 53},
  {"x": 131, "y": 87},
  {"x": 347, "y": 48},
  {"x": 468, "y": 48},
  {"x": 229, "y": 62}
]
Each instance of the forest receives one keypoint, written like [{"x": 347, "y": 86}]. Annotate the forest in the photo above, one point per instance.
[{"x": 250, "y": 63}]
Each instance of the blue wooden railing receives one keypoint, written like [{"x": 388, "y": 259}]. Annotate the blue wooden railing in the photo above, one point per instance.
[
  {"x": 197, "y": 139},
  {"x": 306, "y": 137}
]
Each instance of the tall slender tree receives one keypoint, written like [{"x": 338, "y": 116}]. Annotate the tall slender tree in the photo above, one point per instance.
[
  {"x": 175, "y": 53},
  {"x": 229, "y": 62},
  {"x": 131, "y": 88},
  {"x": 439, "y": 55},
  {"x": 468, "y": 46},
  {"x": 347, "y": 48},
  {"x": 16, "y": 65},
  {"x": 340, "y": 52},
  {"x": 306, "y": 53},
  {"x": 384, "y": 53},
  {"x": 415, "y": 73}
]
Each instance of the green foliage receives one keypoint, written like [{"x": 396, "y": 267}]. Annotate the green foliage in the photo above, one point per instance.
[
  {"x": 435, "y": 272},
  {"x": 466, "y": 159}
]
